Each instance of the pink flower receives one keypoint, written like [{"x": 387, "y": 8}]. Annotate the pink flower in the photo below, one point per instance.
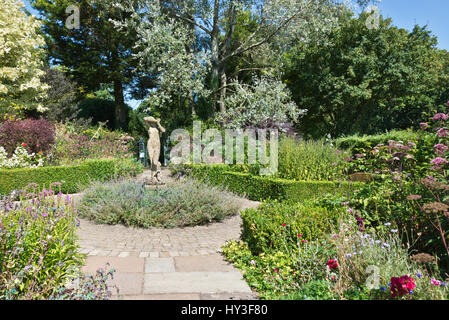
[
  {"x": 440, "y": 148},
  {"x": 443, "y": 132},
  {"x": 440, "y": 116},
  {"x": 299, "y": 235},
  {"x": 424, "y": 125},
  {"x": 435, "y": 282},
  {"x": 438, "y": 161}
]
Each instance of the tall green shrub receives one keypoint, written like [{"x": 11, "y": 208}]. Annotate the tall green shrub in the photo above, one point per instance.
[{"x": 308, "y": 160}]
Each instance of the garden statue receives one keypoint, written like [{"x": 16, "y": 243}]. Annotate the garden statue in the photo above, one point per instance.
[{"x": 154, "y": 146}]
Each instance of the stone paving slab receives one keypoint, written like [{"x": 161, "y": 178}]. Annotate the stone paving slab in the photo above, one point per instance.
[
  {"x": 208, "y": 263},
  {"x": 159, "y": 265},
  {"x": 228, "y": 296},
  {"x": 166, "y": 296},
  {"x": 128, "y": 283},
  {"x": 121, "y": 265},
  {"x": 178, "y": 278},
  {"x": 194, "y": 282}
]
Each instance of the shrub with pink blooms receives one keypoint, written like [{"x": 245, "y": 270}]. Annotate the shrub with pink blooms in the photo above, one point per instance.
[{"x": 411, "y": 187}]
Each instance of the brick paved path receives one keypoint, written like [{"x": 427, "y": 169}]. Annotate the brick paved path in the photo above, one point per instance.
[{"x": 179, "y": 263}]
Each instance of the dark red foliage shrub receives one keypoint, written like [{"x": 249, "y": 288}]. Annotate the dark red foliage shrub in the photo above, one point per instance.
[{"x": 36, "y": 135}]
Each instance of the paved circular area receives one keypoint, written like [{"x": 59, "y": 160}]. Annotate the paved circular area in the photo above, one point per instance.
[
  {"x": 118, "y": 240},
  {"x": 157, "y": 263}
]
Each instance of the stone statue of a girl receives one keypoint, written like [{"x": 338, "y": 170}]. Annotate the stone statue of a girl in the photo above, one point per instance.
[{"x": 154, "y": 146}]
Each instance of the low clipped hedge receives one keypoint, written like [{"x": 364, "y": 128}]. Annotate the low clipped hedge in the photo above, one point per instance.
[
  {"x": 75, "y": 177},
  {"x": 356, "y": 143},
  {"x": 274, "y": 225},
  {"x": 259, "y": 188}
]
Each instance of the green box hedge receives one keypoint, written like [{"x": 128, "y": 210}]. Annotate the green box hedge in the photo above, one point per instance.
[
  {"x": 264, "y": 188},
  {"x": 75, "y": 177},
  {"x": 263, "y": 227},
  {"x": 355, "y": 143}
]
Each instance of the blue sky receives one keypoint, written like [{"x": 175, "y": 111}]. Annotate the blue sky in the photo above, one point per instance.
[{"x": 405, "y": 14}]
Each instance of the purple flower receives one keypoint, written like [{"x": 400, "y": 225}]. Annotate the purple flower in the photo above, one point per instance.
[
  {"x": 438, "y": 161},
  {"x": 443, "y": 132},
  {"x": 440, "y": 148},
  {"x": 440, "y": 116}
]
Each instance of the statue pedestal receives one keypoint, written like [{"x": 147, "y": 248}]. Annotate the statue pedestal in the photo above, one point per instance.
[{"x": 154, "y": 182}]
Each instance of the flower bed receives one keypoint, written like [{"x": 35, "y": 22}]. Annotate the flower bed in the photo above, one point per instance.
[
  {"x": 38, "y": 251},
  {"x": 39, "y": 257},
  {"x": 284, "y": 260},
  {"x": 186, "y": 203}
]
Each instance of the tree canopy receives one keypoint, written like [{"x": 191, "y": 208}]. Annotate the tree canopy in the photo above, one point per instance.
[
  {"x": 366, "y": 80},
  {"x": 21, "y": 60}
]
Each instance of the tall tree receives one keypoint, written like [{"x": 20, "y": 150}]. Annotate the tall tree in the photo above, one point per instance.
[
  {"x": 215, "y": 22},
  {"x": 366, "y": 80},
  {"x": 96, "y": 53},
  {"x": 275, "y": 25},
  {"x": 21, "y": 56}
]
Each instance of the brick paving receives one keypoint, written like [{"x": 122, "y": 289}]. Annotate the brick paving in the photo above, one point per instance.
[{"x": 178, "y": 263}]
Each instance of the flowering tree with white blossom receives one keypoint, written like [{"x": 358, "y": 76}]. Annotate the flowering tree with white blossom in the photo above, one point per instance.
[{"x": 21, "y": 65}]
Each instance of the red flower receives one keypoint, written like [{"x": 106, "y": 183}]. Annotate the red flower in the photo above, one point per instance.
[
  {"x": 24, "y": 144},
  {"x": 401, "y": 286},
  {"x": 299, "y": 235},
  {"x": 283, "y": 224},
  {"x": 332, "y": 264}
]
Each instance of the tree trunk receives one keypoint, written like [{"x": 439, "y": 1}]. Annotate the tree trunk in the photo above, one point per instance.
[
  {"x": 223, "y": 83},
  {"x": 120, "y": 112},
  {"x": 215, "y": 58}
]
